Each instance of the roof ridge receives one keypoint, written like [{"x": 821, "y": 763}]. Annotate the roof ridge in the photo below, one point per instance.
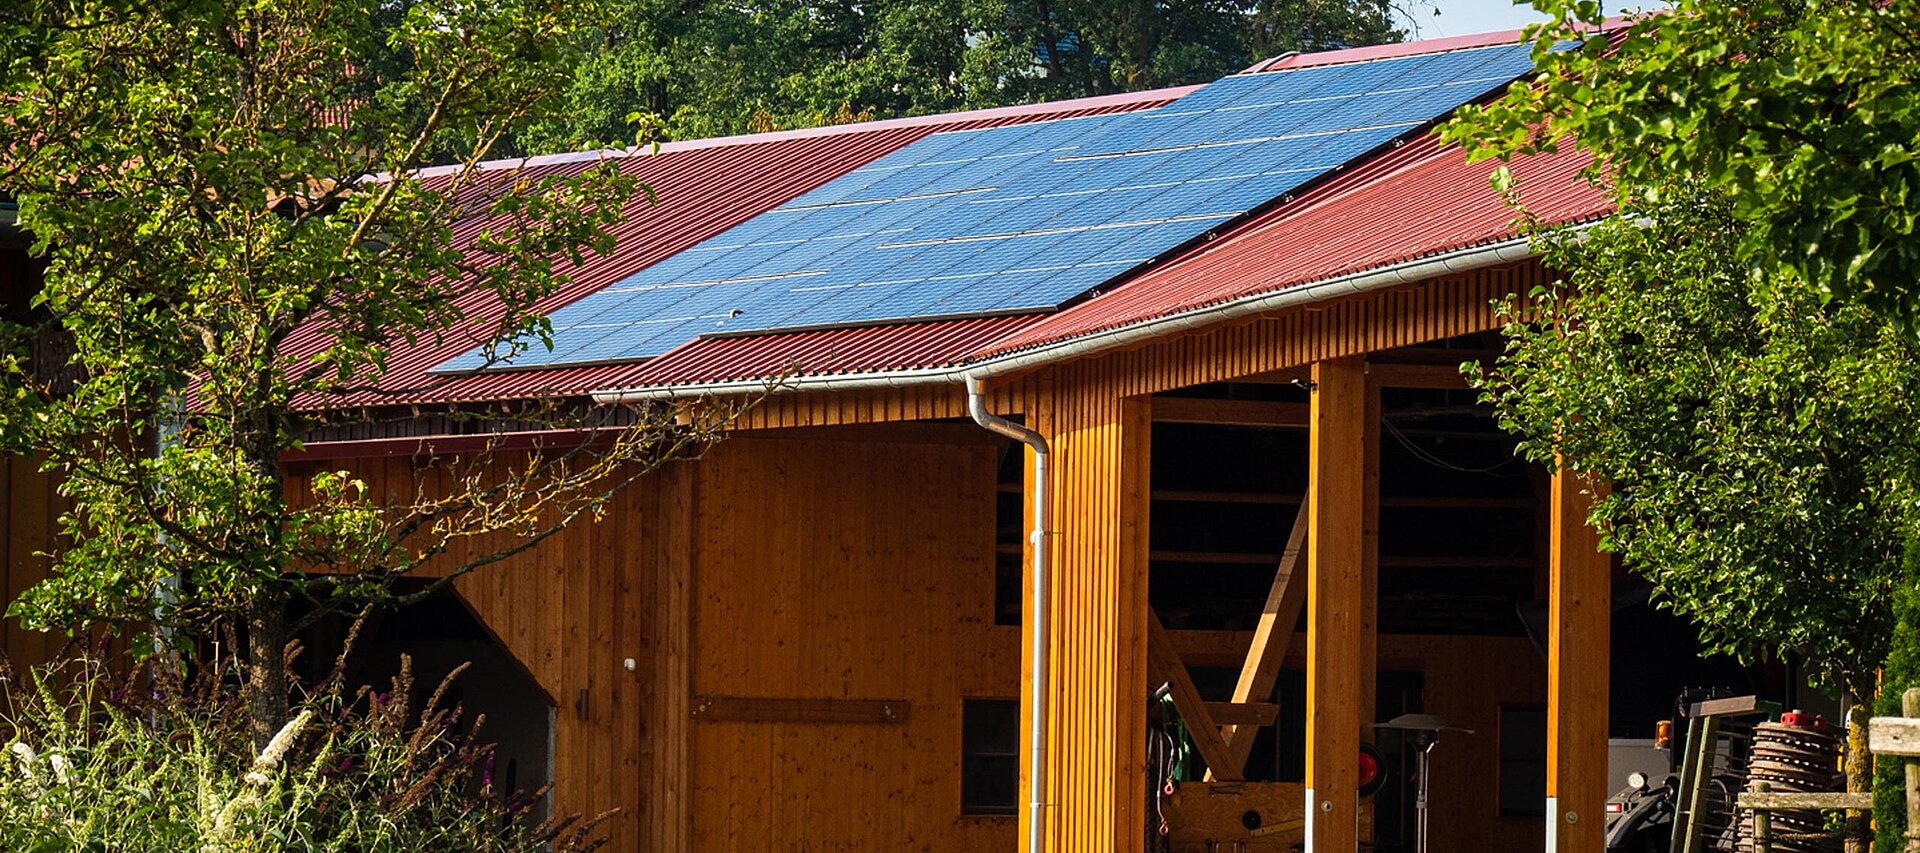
[{"x": 1043, "y": 108}]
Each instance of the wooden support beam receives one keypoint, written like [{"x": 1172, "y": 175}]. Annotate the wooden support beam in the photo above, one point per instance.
[
  {"x": 781, "y": 709},
  {"x": 1250, "y": 714},
  {"x": 1248, "y": 413},
  {"x": 1579, "y": 603},
  {"x": 1370, "y": 561},
  {"x": 1336, "y": 544},
  {"x": 1436, "y": 377},
  {"x": 1186, "y": 699},
  {"x": 1270, "y": 637}
]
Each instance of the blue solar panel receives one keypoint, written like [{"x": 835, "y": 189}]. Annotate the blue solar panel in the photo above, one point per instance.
[{"x": 1020, "y": 217}]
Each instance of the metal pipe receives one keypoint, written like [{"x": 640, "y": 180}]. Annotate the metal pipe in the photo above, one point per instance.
[{"x": 1037, "y": 713}]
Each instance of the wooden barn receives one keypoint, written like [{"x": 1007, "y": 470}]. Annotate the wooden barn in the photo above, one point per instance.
[{"x": 1194, "y": 455}]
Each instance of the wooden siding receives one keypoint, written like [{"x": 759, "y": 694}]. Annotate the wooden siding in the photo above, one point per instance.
[
  {"x": 886, "y": 405},
  {"x": 572, "y": 611},
  {"x": 1433, "y": 310},
  {"x": 845, "y": 570},
  {"x": 1098, "y": 603},
  {"x": 29, "y": 527}
]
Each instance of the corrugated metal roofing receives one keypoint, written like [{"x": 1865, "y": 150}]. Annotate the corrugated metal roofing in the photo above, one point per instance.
[
  {"x": 1420, "y": 201},
  {"x": 902, "y": 346},
  {"x": 1413, "y": 202},
  {"x": 704, "y": 187},
  {"x": 1020, "y": 219}
]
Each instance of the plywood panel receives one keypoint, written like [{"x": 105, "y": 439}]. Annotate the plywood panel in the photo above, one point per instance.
[{"x": 850, "y": 570}]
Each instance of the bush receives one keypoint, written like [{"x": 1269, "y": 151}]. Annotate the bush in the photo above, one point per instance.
[
  {"x": 1901, "y": 671},
  {"x": 151, "y": 761}
]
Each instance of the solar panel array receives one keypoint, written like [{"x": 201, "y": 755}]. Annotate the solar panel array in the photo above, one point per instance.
[{"x": 1022, "y": 217}]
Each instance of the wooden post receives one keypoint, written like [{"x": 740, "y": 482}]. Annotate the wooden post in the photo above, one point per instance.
[
  {"x": 1910, "y": 706},
  {"x": 1335, "y": 486},
  {"x": 1580, "y": 601},
  {"x": 1762, "y": 824}
]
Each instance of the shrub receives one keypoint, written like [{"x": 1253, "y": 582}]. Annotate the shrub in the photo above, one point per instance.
[{"x": 151, "y": 761}]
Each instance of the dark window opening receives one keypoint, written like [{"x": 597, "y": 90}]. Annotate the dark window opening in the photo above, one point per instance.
[
  {"x": 1009, "y": 525},
  {"x": 1523, "y": 762},
  {"x": 989, "y": 756}
]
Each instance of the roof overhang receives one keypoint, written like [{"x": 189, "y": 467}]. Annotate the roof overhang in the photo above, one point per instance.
[{"x": 1502, "y": 253}]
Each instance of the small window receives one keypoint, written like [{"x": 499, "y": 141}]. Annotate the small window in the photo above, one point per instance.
[
  {"x": 1523, "y": 762},
  {"x": 989, "y": 756},
  {"x": 1009, "y": 522}
]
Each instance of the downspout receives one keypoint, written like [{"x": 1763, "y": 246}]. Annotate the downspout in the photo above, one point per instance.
[{"x": 1037, "y": 714}]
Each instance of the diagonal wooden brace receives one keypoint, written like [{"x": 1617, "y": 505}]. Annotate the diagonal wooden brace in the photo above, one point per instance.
[
  {"x": 1271, "y": 635},
  {"x": 1164, "y": 660}
]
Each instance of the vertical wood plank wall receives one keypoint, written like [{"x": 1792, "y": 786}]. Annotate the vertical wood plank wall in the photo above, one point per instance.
[
  {"x": 1336, "y": 484},
  {"x": 847, "y": 570},
  {"x": 572, "y": 610},
  {"x": 783, "y": 568},
  {"x": 30, "y": 508},
  {"x": 1579, "y": 604},
  {"x": 1096, "y": 710}
]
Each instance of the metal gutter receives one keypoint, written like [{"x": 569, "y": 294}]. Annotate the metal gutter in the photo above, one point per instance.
[
  {"x": 1459, "y": 261},
  {"x": 1041, "y": 649}
]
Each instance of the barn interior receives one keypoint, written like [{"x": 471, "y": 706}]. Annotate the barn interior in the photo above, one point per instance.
[{"x": 1458, "y": 612}]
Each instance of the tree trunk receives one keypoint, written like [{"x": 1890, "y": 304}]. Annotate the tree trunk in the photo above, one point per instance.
[{"x": 267, "y": 687}]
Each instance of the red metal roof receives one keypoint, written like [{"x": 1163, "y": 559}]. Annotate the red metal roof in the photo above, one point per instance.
[
  {"x": 704, "y": 187},
  {"x": 1418, "y": 201},
  {"x": 902, "y": 346}
]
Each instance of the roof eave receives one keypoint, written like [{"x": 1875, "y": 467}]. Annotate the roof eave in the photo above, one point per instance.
[{"x": 1501, "y": 253}]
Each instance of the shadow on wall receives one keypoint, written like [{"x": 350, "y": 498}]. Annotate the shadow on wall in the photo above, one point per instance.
[{"x": 439, "y": 634}]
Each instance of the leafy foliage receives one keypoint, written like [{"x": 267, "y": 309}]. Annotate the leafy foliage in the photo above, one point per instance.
[
  {"x": 714, "y": 69},
  {"x": 1758, "y": 440},
  {"x": 1804, "y": 115},
  {"x": 102, "y": 762},
  {"x": 238, "y": 226},
  {"x": 1900, "y": 673}
]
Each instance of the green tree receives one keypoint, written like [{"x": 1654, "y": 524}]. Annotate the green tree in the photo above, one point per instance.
[
  {"x": 1762, "y": 156},
  {"x": 207, "y": 179},
  {"x": 1806, "y": 115},
  {"x": 1757, "y": 440},
  {"x": 715, "y": 69}
]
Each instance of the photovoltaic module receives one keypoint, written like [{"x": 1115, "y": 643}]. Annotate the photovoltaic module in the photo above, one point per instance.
[{"x": 1020, "y": 218}]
